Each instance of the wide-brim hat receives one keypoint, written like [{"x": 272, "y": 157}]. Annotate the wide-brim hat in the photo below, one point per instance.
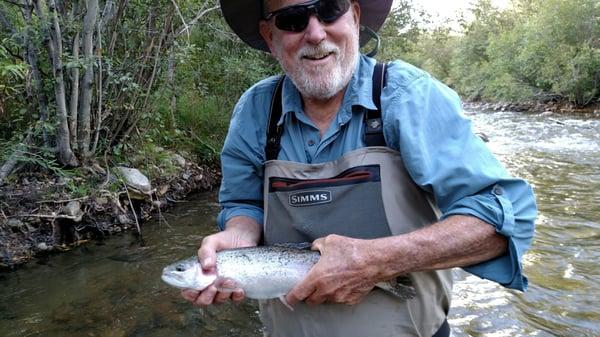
[{"x": 243, "y": 17}]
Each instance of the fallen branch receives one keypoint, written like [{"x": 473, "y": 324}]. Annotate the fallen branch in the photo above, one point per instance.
[
  {"x": 62, "y": 201},
  {"x": 50, "y": 216}
]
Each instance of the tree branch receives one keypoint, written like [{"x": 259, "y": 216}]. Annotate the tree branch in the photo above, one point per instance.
[
  {"x": 13, "y": 3},
  {"x": 195, "y": 20},
  {"x": 185, "y": 25}
]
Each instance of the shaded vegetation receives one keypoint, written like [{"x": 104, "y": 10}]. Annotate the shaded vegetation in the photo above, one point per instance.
[{"x": 536, "y": 50}]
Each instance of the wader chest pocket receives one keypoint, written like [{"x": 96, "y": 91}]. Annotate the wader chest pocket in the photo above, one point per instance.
[{"x": 348, "y": 204}]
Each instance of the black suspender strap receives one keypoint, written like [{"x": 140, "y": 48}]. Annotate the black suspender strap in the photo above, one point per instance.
[
  {"x": 373, "y": 122},
  {"x": 274, "y": 131}
]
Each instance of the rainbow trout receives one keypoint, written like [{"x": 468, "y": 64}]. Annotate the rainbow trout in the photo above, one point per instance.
[{"x": 263, "y": 272}]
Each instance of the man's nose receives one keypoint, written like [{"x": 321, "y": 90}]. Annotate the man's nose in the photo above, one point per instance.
[{"x": 315, "y": 31}]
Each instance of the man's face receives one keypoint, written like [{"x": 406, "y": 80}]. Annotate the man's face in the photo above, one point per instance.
[{"x": 321, "y": 58}]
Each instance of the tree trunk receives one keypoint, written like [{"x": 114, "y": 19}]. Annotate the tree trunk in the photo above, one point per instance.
[
  {"x": 65, "y": 154},
  {"x": 32, "y": 60},
  {"x": 112, "y": 32},
  {"x": 84, "y": 118},
  {"x": 171, "y": 79},
  {"x": 74, "y": 100},
  {"x": 107, "y": 14}
]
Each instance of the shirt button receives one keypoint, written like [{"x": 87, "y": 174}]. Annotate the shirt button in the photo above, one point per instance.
[
  {"x": 497, "y": 190},
  {"x": 311, "y": 142}
]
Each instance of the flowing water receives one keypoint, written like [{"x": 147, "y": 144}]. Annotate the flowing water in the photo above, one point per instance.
[{"x": 114, "y": 288}]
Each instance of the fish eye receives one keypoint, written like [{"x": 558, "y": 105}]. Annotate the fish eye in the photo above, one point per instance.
[{"x": 180, "y": 267}]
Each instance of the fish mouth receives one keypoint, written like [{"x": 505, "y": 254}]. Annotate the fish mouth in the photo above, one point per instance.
[{"x": 174, "y": 280}]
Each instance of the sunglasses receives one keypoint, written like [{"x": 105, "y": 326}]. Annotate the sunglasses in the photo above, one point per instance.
[{"x": 295, "y": 18}]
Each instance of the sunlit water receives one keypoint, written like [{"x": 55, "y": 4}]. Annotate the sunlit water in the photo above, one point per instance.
[{"x": 114, "y": 288}]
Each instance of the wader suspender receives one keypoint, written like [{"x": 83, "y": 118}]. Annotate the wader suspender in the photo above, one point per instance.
[{"x": 373, "y": 124}]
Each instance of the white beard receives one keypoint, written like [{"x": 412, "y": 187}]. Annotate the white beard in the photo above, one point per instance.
[{"x": 321, "y": 81}]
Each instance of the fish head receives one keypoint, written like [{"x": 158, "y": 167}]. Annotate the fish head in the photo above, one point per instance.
[{"x": 188, "y": 274}]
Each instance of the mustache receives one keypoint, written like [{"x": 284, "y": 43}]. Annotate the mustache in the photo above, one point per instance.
[{"x": 322, "y": 49}]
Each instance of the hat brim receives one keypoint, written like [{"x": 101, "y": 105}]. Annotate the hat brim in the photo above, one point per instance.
[{"x": 243, "y": 17}]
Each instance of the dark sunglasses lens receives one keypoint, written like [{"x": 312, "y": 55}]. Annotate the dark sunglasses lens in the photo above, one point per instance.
[
  {"x": 293, "y": 19},
  {"x": 329, "y": 11}
]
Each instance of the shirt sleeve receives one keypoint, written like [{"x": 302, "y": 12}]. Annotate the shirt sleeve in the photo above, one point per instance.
[
  {"x": 424, "y": 121},
  {"x": 242, "y": 157}
]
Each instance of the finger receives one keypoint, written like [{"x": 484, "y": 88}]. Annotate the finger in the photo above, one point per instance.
[
  {"x": 316, "y": 298},
  {"x": 207, "y": 296},
  {"x": 190, "y": 295},
  {"x": 300, "y": 292},
  {"x": 207, "y": 254},
  {"x": 222, "y": 297},
  {"x": 317, "y": 244},
  {"x": 237, "y": 295},
  {"x": 225, "y": 288}
]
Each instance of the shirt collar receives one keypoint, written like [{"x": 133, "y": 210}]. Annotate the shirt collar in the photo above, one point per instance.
[{"x": 359, "y": 93}]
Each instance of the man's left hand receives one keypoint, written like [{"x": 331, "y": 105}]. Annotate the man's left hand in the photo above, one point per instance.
[{"x": 344, "y": 274}]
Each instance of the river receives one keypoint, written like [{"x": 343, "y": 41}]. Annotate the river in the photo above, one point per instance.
[{"x": 113, "y": 288}]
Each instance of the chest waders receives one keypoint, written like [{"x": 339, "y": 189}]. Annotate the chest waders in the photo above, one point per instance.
[{"x": 367, "y": 193}]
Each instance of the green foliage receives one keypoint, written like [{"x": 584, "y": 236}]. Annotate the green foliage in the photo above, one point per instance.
[
  {"x": 206, "y": 122},
  {"x": 37, "y": 159},
  {"x": 534, "y": 50},
  {"x": 401, "y": 32},
  {"x": 213, "y": 68},
  {"x": 537, "y": 50},
  {"x": 13, "y": 73}
]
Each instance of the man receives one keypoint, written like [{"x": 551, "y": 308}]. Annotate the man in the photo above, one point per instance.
[{"x": 430, "y": 197}]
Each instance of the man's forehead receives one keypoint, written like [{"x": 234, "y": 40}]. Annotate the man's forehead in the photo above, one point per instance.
[{"x": 271, "y": 5}]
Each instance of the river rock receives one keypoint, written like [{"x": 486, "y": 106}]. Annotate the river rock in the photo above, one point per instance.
[
  {"x": 124, "y": 219},
  {"x": 179, "y": 160},
  {"x": 42, "y": 246},
  {"x": 101, "y": 200},
  {"x": 73, "y": 209},
  {"x": 135, "y": 179},
  {"x": 546, "y": 113},
  {"x": 15, "y": 223}
]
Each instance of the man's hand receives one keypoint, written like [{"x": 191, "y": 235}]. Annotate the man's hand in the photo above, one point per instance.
[
  {"x": 344, "y": 274},
  {"x": 239, "y": 232}
]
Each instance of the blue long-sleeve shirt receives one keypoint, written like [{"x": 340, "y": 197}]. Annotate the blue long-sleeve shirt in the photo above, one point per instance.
[{"x": 422, "y": 120}]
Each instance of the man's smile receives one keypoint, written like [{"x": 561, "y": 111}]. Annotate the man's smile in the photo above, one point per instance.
[{"x": 318, "y": 56}]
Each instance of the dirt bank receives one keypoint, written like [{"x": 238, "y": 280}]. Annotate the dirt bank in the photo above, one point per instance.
[{"x": 40, "y": 215}]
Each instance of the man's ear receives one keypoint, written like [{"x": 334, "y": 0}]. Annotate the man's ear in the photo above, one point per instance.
[
  {"x": 266, "y": 33},
  {"x": 356, "y": 12}
]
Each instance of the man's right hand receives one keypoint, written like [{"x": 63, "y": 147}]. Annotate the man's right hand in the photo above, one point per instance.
[{"x": 239, "y": 232}]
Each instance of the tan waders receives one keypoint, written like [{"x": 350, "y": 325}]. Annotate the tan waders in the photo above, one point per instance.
[{"x": 367, "y": 193}]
